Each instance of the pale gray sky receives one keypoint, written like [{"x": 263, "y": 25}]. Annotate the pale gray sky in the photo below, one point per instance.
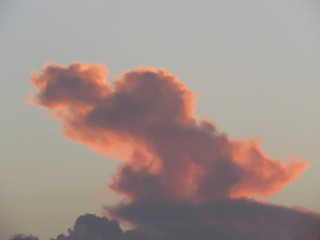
[{"x": 254, "y": 64}]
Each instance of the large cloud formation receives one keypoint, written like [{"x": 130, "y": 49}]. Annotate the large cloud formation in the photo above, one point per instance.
[{"x": 181, "y": 178}]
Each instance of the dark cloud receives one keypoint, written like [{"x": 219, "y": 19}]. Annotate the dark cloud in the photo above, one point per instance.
[
  {"x": 229, "y": 219},
  {"x": 225, "y": 219},
  {"x": 91, "y": 227},
  {"x": 23, "y": 237}
]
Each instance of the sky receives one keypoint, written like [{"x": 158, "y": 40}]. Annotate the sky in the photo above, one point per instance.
[{"x": 254, "y": 66}]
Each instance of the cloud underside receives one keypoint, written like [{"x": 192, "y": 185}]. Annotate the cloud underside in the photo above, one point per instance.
[{"x": 229, "y": 219}]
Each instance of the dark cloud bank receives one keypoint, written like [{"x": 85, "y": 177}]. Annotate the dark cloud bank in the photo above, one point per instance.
[{"x": 181, "y": 178}]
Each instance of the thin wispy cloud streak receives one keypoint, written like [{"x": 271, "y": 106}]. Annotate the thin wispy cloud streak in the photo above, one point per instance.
[
  {"x": 181, "y": 178},
  {"x": 24, "y": 237}
]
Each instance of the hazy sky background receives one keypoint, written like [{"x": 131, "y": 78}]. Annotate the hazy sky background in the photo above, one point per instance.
[{"x": 254, "y": 64}]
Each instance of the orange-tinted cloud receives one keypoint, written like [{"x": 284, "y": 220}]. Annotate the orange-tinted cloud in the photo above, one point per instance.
[
  {"x": 181, "y": 177},
  {"x": 147, "y": 117}
]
